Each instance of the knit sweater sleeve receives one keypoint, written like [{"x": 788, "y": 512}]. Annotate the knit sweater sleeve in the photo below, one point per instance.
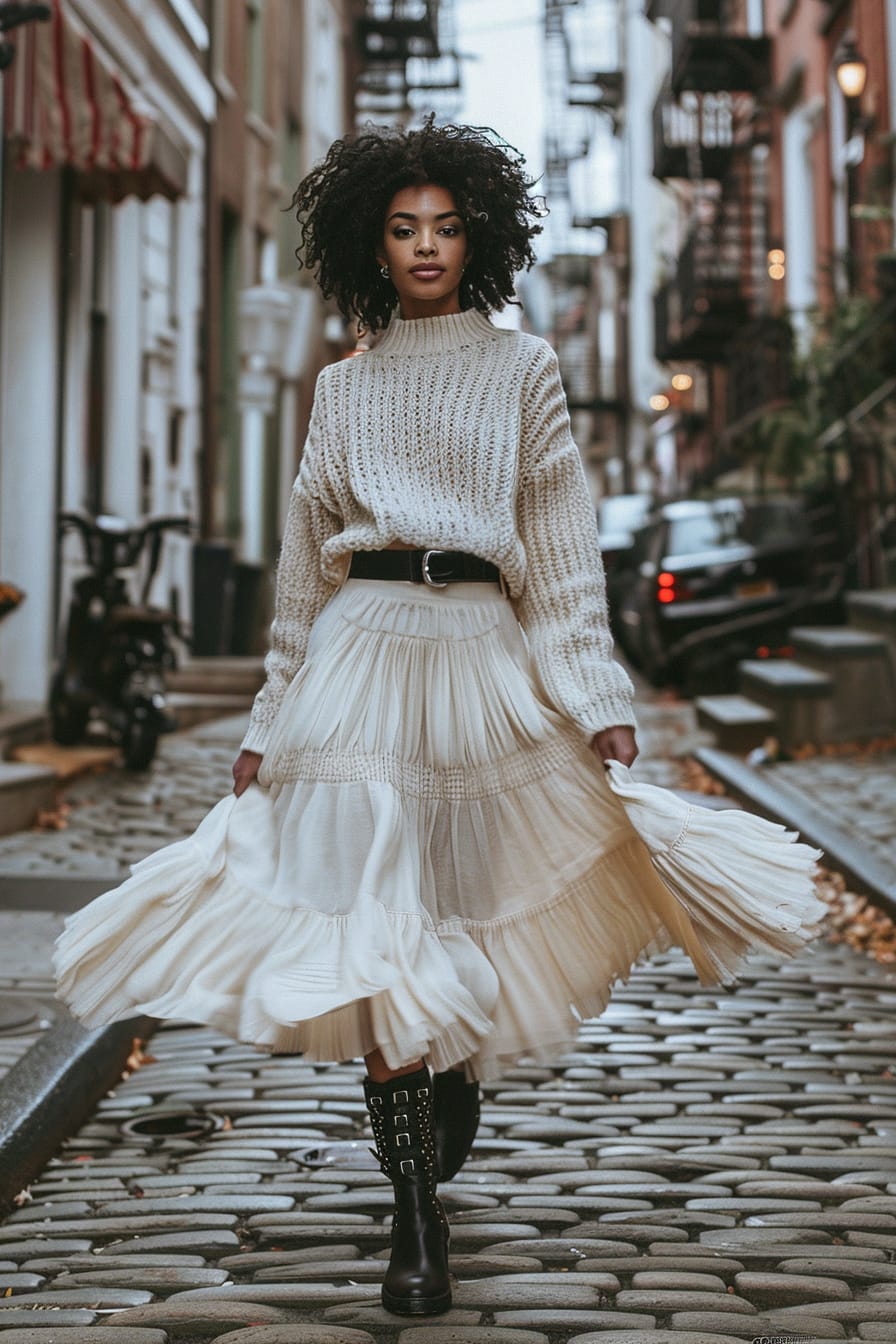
[
  {"x": 563, "y": 607},
  {"x": 302, "y": 589}
]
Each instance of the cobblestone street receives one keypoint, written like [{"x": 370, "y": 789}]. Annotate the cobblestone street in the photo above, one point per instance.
[
  {"x": 720, "y": 1166},
  {"x": 709, "y": 1166}
]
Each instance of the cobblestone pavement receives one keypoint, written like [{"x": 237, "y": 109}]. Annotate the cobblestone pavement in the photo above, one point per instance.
[
  {"x": 708, "y": 1166},
  {"x": 117, "y": 818}
]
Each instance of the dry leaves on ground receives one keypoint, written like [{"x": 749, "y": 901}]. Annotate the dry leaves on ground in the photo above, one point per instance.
[
  {"x": 53, "y": 818},
  {"x": 874, "y": 746},
  {"x": 137, "y": 1058},
  {"x": 852, "y": 919}
]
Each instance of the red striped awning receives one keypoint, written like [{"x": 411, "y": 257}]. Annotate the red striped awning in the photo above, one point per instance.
[{"x": 66, "y": 104}]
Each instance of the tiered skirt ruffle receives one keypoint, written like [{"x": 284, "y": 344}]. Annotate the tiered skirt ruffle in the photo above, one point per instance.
[{"x": 433, "y": 862}]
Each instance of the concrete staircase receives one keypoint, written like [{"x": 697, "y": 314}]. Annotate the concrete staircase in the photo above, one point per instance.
[
  {"x": 840, "y": 687},
  {"x": 202, "y": 689}
]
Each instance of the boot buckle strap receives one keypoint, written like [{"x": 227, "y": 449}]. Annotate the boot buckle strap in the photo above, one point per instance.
[{"x": 407, "y": 1167}]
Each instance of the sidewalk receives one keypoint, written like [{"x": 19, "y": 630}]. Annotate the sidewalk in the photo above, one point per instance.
[
  {"x": 843, "y": 804},
  {"x": 708, "y": 1166}
]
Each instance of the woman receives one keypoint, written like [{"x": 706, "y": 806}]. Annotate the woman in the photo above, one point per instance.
[{"x": 424, "y": 861}]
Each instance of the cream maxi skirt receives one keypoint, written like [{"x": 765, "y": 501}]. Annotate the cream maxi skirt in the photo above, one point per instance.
[{"x": 432, "y": 862}]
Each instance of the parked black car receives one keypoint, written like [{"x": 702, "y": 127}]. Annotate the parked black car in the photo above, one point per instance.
[
  {"x": 708, "y": 582},
  {"x": 618, "y": 519}
]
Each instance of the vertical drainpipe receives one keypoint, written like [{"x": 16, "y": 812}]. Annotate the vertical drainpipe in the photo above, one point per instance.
[
  {"x": 891, "y": 86},
  {"x": 66, "y": 196},
  {"x": 208, "y": 348}
]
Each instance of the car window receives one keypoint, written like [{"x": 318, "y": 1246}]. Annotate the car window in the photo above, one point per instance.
[
  {"x": 778, "y": 522},
  {"x": 705, "y": 532},
  {"x": 622, "y": 513},
  {"x": 769, "y": 523}
]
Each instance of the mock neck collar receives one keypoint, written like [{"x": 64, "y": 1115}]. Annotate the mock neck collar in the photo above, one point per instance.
[{"x": 434, "y": 335}]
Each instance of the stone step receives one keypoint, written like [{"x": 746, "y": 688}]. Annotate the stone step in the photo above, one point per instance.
[
  {"x": 25, "y": 790},
  {"x": 220, "y": 675},
  {"x": 875, "y": 612},
  {"x": 800, "y": 697},
  {"x": 739, "y": 724},
  {"x": 862, "y": 673},
  {"x": 22, "y": 721}
]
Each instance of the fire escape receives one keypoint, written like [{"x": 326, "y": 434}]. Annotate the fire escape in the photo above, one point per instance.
[
  {"x": 708, "y": 119},
  {"x": 586, "y": 299},
  {"x": 406, "y": 60}
]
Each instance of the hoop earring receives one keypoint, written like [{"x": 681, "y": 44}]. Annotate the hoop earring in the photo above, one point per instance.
[{"x": 384, "y": 272}]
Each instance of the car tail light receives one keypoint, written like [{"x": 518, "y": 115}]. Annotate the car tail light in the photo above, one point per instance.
[{"x": 669, "y": 588}]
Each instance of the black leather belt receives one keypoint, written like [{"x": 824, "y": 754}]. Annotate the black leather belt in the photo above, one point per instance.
[{"x": 434, "y": 568}]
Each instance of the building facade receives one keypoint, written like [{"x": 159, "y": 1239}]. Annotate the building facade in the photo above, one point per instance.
[
  {"x": 776, "y": 192},
  {"x": 106, "y": 109},
  {"x": 582, "y": 294},
  {"x": 266, "y": 332},
  {"x": 158, "y": 344}
]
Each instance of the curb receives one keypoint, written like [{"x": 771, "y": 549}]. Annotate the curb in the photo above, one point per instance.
[
  {"x": 863, "y": 872},
  {"x": 54, "y": 891},
  {"x": 53, "y": 1089}
]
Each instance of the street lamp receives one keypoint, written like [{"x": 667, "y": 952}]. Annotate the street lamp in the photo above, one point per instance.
[{"x": 850, "y": 69}]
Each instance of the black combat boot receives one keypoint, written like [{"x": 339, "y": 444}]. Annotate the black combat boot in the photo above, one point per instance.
[
  {"x": 417, "y": 1281},
  {"x": 456, "y": 1110}
]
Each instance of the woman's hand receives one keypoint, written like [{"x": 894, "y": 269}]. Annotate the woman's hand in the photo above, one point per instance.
[
  {"x": 245, "y": 768},
  {"x": 615, "y": 744}
]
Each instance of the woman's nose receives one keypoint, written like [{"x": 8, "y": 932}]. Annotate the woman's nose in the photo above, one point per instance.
[{"x": 426, "y": 244}]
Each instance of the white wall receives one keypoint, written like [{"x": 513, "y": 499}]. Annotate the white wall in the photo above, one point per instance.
[
  {"x": 799, "y": 219},
  {"x": 123, "y": 366},
  {"x": 646, "y": 49},
  {"x": 28, "y": 362},
  {"x": 322, "y": 79}
]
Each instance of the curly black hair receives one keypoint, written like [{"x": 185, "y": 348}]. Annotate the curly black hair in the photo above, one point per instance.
[{"x": 341, "y": 210}]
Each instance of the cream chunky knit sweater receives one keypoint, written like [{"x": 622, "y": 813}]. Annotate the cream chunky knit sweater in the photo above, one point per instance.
[{"x": 452, "y": 434}]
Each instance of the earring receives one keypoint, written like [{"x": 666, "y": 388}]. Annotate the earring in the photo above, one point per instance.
[{"x": 384, "y": 272}]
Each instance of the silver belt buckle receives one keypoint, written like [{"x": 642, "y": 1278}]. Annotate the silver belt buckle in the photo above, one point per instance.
[{"x": 424, "y": 570}]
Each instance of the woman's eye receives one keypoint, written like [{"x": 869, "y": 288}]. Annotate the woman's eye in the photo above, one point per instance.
[
  {"x": 451, "y": 230},
  {"x": 402, "y": 232}
]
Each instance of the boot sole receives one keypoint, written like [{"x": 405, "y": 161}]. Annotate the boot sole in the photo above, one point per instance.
[{"x": 416, "y": 1306}]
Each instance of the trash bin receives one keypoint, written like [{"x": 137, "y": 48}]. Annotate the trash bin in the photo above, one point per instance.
[
  {"x": 212, "y": 597},
  {"x": 248, "y": 580}
]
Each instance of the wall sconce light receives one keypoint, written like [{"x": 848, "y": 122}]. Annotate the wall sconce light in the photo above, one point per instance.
[
  {"x": 776, "y": 264},
  {"x": 850, "y": 69},
  {"x": 659, "y": 402},
  {"x": 682, "y": 382}
]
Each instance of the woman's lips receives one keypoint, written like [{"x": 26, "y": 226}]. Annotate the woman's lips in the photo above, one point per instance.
[{"x": 427, "y": 272}]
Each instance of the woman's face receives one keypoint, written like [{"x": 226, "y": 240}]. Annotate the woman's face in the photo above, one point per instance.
[{"x": 425, "y": 246}]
